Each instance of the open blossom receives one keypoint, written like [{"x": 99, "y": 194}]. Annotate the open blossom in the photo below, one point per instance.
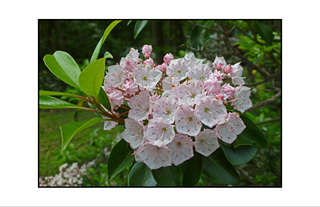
[
  {"x": 159, "y": 131},
  {"x": 146, "y": 76},
  {"x": 169, "y": 82},
  {"x": 236, "y": 74},
  {"x": 179, "y": 68},
  {"x": 167, "y": 58},
  {"x": 134, "y": 133},
  {"x": 200, "y": 72},
  {"x": 186, "y": 121},
  {"x": 133, "y": 56},
  {"x": 116, "y": 99},
  {"x": 153, "y": 156},
  {"x": 210, "y": 110},
  {"x": 217, "y": 75},
  {"x": 190, "y": 93},
  {"x": 114, "y": 77},
  {"x": 147, "y": 50},
  {"x": 242, "y": 100},
  {"x": 165, "y": 108},
  {"x": 229, "y": 127},
  {"x": 181, "y": 149},
  {"x": 139, "y": 106},
  {"x": 206, "y": 142}
]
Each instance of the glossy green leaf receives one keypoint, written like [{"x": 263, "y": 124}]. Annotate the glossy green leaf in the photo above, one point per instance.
[
  {"x": 218, "y": 169},
  {"x": 239, "y": 155},
  {"x": 96, "y": 51},
  {"x": 54, "y": 93},
  {"x": 107, "y": 55},
  {"x": 48, "y": 102},
  {"x": 140, "y": 24},
  {"x": 129, "y": 22},
  {"x": 91, "y": 77},
  {"x": 264, "y": 30},
  {"x": 168, "y": 176},
  {"x": 141, "y": 175},
  {"x": 195, "y": 38},
  {"x": 192, "y": 170},
  {"x": 250, "y": 134},
  {"x": 62, "y": 65},
  {"x": 68, "y": 131},
  {"x": 120, "y": 158},
  {"x": 104, "y": 100}
]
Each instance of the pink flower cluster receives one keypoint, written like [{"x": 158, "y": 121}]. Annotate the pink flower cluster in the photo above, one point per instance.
[{"x": 169, "y": 104}]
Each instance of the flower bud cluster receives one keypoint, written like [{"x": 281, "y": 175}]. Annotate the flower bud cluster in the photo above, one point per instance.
[
  {"x": 68, "y": 176},
  {"x": 170, "y": 104}
]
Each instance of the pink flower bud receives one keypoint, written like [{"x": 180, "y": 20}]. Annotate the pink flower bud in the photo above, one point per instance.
[
  {"x": 149, "y": 62},
  {"x": 167, "y": 58},
  {"x": 147, "y": 50},
  {"x": 162, "y": 67},
  {"x": 228, "y": 69}
]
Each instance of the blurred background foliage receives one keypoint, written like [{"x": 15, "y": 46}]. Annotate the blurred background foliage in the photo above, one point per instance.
[{"x": 256, "y": 44}]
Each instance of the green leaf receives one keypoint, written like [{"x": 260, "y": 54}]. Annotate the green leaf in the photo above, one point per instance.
[
  {"x": 195, "y": 38},
  {"x": 168, "y": 176},
  {"x": 192, "y": 170},
  {"x": 139, "y": 26},
  {"x": 68, "y": 131},
  {"x": 107, "y": 55},
  {"x": 62, "y": 65},
  {"x": 104, "y": 100},
  {"x": 119, "y": 159},
  {"x": 129, "y": 22},
  {"x": 48, "y": 102},
  {"x": 251, "y": 134},
  {"x": 91, "y": 77},
  {"x": 54, "y": 93},
  {"x": 239, "y": 155},
  {"x": 218, "y": 169},
  {"x": 264, "y": 30},
  {"x": 141, "y": 175},
  {"x": 96, "y": 51}
]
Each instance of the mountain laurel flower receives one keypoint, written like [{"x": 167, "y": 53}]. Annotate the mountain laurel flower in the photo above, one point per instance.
[
  {"x": 130, "y": 87},
  {"x": 219, "y": 63},
  {"x": 229, "y": 127},
  {"x": 147, "y": 50},
  {"x": 169, "y": 82},
  {"x": 134, "y": 133},
  {"x": 162, "y": 67},
  {"x": 146, "y": 76},
  {"x": 181, "y": 149},
  {"x": 217, "y": 75},
  {"x": 149, "y": 62},
  {"x": 190, "y": 93},
  {"x": 210, "y": 110},
  {"x": 228, "y": 90},
  {"x": 200, "y": 72},
  {"x": 179, "y": 68},
  {"x": 206, "y": 142},
  {"x": 139, "y": 106},
  {"x": 115, "y": 75},
  {"x": 153, "y": 156},
  {"x": 186, "y": 121},
  {"x": 116, "y": 99},
  {"x": 212, "y": 86},
  {"x": 167, "y": 58},
  {"x": 159, "y": 131},
  {"x": 165, "y": 108},
  {"x": 242, "y": 100}
]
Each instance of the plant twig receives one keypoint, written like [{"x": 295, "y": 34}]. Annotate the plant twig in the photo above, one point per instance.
[
  {"x": 268, "y": 121},
  {"x": 262, "y": 103}
]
